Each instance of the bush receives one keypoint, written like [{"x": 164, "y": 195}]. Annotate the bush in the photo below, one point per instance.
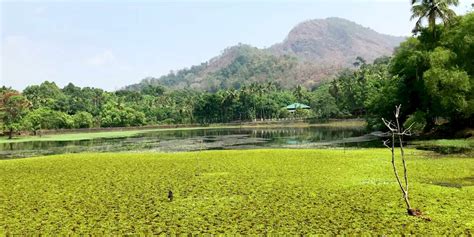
[
  {"x": 168, "y": 121},
  {"x": 418, "y": 119},
  {"x": 83, "y": 120}
]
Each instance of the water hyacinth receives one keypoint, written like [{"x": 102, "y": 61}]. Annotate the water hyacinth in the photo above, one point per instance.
[{"x": 233, "y": 192}]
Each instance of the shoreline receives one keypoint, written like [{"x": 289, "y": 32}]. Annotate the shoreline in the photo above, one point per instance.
[{"x": 87, "y": 134}]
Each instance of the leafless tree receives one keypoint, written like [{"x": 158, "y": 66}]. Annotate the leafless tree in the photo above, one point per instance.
[{"x": 396, "y": 133}]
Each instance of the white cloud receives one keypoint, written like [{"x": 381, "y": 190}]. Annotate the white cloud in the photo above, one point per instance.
[{"x": 101, "y": 59}]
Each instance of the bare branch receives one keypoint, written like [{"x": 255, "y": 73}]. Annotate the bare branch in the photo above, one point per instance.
[
  {"x": 407, "y": 131},
  {"x": 389, "y": 125}
]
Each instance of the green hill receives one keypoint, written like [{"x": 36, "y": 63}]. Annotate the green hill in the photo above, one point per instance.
[{"x": 312, "y": 52}]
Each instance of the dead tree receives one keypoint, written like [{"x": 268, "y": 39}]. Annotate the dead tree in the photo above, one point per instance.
[{"x": 396, "y": 133}]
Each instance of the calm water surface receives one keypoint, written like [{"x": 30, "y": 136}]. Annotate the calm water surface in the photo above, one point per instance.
[{"x": 202, "y": 139}]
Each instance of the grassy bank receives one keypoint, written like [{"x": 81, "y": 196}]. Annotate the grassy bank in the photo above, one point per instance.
[
  {"x": 246, "y": 192},
  {"x": 114, "y": 132},
  {"x": 446, "y": 146}
]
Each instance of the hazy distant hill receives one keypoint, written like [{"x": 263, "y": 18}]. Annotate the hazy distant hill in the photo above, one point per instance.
[
  {"x": 335, "y": 41},
  {"x": 313, "y": 51}
]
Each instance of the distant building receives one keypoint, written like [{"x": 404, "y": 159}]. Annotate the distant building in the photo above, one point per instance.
[{"x": 292, "y": 108}]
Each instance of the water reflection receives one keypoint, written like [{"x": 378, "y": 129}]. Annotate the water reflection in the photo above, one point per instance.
[{"x": 192, "y": 140}]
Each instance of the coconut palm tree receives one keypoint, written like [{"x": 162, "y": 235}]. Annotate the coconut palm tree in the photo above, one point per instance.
[
  {"x": 432, "y": 10},
  {"x": 229, "y": 97},
  {"x": 298, "y": 92}
]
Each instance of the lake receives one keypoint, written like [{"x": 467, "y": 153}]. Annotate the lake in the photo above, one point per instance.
[{"x": 200, "y": 139}]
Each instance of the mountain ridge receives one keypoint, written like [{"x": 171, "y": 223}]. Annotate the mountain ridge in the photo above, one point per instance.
[
  {"x": 315, "y": 40},
  {"x": 313, "y": 51}
]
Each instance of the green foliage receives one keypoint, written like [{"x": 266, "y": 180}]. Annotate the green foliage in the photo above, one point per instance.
[
  {"x": 323, "y": 104},
  {"x": 429, "y": 75},
  {"x": 45, "y": 118},
  {"x": 83, "y": 120},
  {"x": 460, "y": 39},
  {"x": 237, "y": 66},
  {"x": 252, "y": 102},
  {"x": 90, "y": 100},
  {"x": 283, "y": 113},
  {"x": 117, "y": 115},
  {"x": 408, "y": 63},
  {"x": 370, "y": 91},
  {"x": 435, "y": 76},
  {"x": 34, "y": 120},
  {"x": 13, "y": 107},
  {"x": 417, "y": 121},
  {"x": 302, "y": 113},
  {"x": 48, "y": 95},
  {"x": 432, "y": 10},
  {"x": 448, "y": 90},
  {"x": 253, "y": 192},
  {"x": 445, "y": 146}
]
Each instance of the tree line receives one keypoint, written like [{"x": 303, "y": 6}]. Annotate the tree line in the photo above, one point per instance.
[
  {"x": 47, "y": 106},
  {"x": 431, "y": 74}
]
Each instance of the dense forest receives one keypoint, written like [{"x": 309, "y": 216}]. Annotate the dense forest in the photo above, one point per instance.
[{"x": 430, "y": 74}]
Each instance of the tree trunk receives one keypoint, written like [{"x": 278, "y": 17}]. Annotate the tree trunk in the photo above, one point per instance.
[{"x": 10, "y": 133}]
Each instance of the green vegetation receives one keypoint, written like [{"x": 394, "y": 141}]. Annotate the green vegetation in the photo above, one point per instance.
[
  {"x": 74, "y": 136},
  {"x": 451, "y": 142},
  {"x": 431, "y": 75},
  {"x": 298, "y": 192},
  {"x": 246, "y": 192},
  {"x": 13, "y": 106},
  {"x": 446, "y": 146},
  {"x": 237, "y": 66},
  {"x": 432, "y": 10}
]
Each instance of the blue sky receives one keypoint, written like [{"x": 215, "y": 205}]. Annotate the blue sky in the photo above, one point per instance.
[{"x": 110, "y": 44}]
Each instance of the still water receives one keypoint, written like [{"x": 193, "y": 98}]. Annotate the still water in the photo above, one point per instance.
[{"x": 201, "y": 139}]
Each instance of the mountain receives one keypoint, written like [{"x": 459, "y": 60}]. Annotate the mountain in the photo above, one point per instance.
[
  {"x": 313, "y": 51},
  {"x": 335, "y": 41},
  {"x": 236, "y": 66}
]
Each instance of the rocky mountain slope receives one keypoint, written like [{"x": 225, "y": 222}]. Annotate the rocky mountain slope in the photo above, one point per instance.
[
  {"x": 313, "y": 51},
  {"x": 335, "y": 41}
]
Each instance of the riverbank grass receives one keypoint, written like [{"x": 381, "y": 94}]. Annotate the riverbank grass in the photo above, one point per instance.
[
  {"x": 447, "y": 146},
  {"x": 235, "y": 192}
]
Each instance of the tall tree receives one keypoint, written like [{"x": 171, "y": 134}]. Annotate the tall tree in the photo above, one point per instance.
[
  {"x": 432, "y": 10},
  {"x": 47, "y": 94},
  {"x": 13, "y": 106}
]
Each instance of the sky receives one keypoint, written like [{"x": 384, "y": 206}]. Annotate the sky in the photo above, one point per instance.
[{"x": 111, "y": 44}]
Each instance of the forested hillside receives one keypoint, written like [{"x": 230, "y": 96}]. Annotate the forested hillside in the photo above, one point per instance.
[
  {"x": 313, "y": 51},
  {"x": 242, "y": 65}
]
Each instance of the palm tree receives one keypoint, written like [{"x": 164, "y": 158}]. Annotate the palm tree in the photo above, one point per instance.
[
  {"x": 259, "y": 90},
  {"x": 229, "y": 97},
  {"x": 271, "y": 86},
  {"x": 432, "y": 10},
  {"x": 187, "y": 107},
  {"x": 299, "y": 93}
]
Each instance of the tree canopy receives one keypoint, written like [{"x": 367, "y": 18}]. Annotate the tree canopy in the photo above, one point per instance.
[{"x": 433, "y": 77}]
